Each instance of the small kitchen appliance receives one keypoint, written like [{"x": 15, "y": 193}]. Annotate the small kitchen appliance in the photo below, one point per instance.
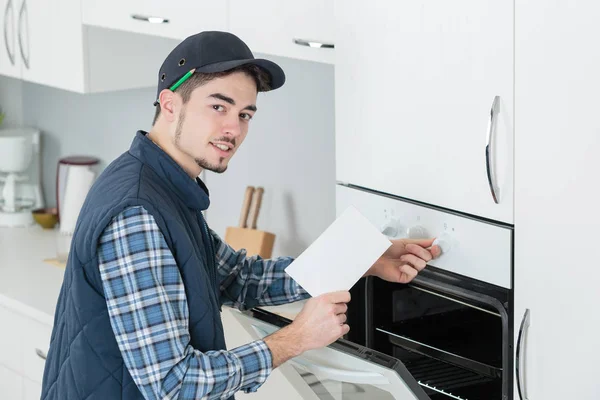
[{"x": 20, "y": 188}]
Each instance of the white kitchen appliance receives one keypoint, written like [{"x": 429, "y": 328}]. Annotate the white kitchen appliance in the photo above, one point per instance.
[
  {"x": 20, "y": 189},
  {"x": 446, "y": 335}
]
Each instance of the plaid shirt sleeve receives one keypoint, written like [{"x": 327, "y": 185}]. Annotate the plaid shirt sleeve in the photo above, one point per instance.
[
  {"x": 149, "y": 315},
  {"x": 247, "y": 282}
]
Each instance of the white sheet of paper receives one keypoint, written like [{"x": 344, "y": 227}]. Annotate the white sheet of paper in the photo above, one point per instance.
[{"x": 340, "y": 256}]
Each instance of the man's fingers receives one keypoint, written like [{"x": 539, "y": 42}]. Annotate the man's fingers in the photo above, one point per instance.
[
  {"x": 408, "y": 273},
  {"x": 435, "y": 251},
  {"x": 418, "y": 263},
  {"x": 340, "y": 308},
  {"x": 419, "y": 251},
  {"x": 420, "y": 242},
  {"x": 342, "y": 296}
]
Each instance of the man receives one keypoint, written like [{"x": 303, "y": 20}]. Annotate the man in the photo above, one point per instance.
[{"x": 138, "y": 314}]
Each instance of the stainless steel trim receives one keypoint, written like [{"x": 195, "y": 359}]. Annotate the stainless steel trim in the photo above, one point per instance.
[
  {"x": 454, "y": 300},
  {"x": 520, "y": 370},
  {"x": 152, "y": 20},
  {"x": 11, "y": 55},
  {"x": 313, "y": 43},
  {"x": 21, "y": 13},
  {"x": 489, "y": 149},
  {"x": 41, "y": 354}
]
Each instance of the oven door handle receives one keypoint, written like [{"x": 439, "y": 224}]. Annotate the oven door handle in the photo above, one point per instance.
[
  {"x": 335, "y": 374},
  {"x": 339, "y": 375},
  {"x": 520, "y": 356}
]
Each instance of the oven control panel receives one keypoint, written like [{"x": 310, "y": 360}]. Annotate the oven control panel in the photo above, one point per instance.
[{"x": 470, "y": 247}]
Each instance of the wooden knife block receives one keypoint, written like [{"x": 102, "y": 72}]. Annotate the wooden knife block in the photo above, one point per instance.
[
  {"x": 246, "y": 236},
  {"x": 254, "y": 241}
]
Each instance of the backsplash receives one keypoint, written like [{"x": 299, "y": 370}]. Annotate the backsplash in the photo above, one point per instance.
[{"x": 290, "y": 148}]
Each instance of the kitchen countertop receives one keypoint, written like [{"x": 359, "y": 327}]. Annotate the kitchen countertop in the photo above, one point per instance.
[
  {"x": 31, "y": 286},
  {"x": 28, "y": 284}
]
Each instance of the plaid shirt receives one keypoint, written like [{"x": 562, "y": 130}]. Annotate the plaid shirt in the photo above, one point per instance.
[{"x": 149, "y": 313}]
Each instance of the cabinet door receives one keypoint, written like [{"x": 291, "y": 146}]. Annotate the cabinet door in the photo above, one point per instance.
[
  {"x": 11, "y": 384},
  {"x": 415, "y": 85},
  {"x": 302, "y": 29},
  {"x": 176, "y": 19},
  {"x": 10, "y": 60},
  {"x": 51, "y": 43},
  {"x": 556, "y": 197}
]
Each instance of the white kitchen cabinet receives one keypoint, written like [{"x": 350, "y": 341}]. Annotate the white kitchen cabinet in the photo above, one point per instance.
[
  {"x": 49, "y": 44},
  {"x": 557, "y": 135},
  {"x": 11, "y": 384},
  {"x": 176, "y": 19},
  {"x": 23, "y": 348},
  {"x": 302, "y": 30},
  {"x": 10, "y": 59},
  {"x": 415, "y": 83}
]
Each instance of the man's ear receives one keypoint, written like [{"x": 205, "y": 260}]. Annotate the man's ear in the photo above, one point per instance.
[{"x": 167, "y": 101}]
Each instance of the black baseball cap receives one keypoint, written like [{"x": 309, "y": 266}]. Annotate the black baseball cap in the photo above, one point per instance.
[{"x": 211, "y": 51}]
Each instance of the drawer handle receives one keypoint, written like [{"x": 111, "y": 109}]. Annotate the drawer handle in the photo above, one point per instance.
[
  {"x": 152, "y": 20},
  {"x": 315, "y": 44},
  {"x": 41, "y": 354}
]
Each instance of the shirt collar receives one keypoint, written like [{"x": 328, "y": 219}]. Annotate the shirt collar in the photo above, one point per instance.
[{"x": 193, "y": 193}]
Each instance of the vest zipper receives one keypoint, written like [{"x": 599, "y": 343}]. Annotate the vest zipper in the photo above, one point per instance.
[{"x": 211, "y": 256}]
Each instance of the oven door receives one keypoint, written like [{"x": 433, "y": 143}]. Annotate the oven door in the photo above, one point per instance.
[{"x": 340, "y": 371}]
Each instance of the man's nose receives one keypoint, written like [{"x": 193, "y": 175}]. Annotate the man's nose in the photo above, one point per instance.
[{"x": 232, "y": 126}]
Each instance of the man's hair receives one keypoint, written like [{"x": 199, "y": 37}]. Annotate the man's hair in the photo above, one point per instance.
[{"x": 260, "y": 76}]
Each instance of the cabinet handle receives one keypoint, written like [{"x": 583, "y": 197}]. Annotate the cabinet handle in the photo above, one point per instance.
[
  {"x": 11, "y": 55},
  {"x": 521, "y": 368},
  {"x": 21, "y": 14},
  {"x": 41, "y": 354},
  {"x": 152, "y": 20},
  {"x": 312, "y": 43},
  {"x": 491, "y": 173}
]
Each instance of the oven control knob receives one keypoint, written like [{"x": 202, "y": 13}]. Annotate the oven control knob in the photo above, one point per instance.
[
  {"x": 444, "y": 241},
  {"x": 392, "y": 229},
  {"x": 417, "y": 232}
]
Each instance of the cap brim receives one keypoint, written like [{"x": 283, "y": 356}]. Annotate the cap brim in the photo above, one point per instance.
[{"x": 274, "y": 70}]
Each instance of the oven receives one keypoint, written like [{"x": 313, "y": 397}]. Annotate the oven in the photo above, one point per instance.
[{"x": 446, "y": 335}]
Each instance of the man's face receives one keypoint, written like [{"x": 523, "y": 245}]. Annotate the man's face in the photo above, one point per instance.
[{"x": 212, "y": 125}]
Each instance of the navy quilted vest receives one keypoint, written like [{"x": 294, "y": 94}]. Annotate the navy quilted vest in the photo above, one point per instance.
[{"x": 84, "y": 361}]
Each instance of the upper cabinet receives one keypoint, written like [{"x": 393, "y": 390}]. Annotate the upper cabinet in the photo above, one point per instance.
[
  {"x": 10, "y": 58},
  {"x": 89, "y": 46},
  {"x": 50, "y": 43},
  {"x": 424, "y": 101},
  {"x": 176, "y": 19},
  {"x": 47, "y": 43},
  {"x": 302, "y": 30}
]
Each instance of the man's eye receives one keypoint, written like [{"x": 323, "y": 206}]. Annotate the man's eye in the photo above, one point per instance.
[
  {"x": 246, "y": 116},
  {"x": 218, "y": 107}
]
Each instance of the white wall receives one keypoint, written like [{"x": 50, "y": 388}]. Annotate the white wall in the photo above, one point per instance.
[
  {"x": 11, "y": 101},
  {"x": 289, "y": 149}
]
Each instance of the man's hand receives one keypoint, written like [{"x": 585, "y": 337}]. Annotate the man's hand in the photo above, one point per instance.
[
  {"x": 404, "y": 260},
  {"x": 321, "y": 322}
]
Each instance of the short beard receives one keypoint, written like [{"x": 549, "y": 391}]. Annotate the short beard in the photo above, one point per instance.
[{"x": 202, "y": 163}]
